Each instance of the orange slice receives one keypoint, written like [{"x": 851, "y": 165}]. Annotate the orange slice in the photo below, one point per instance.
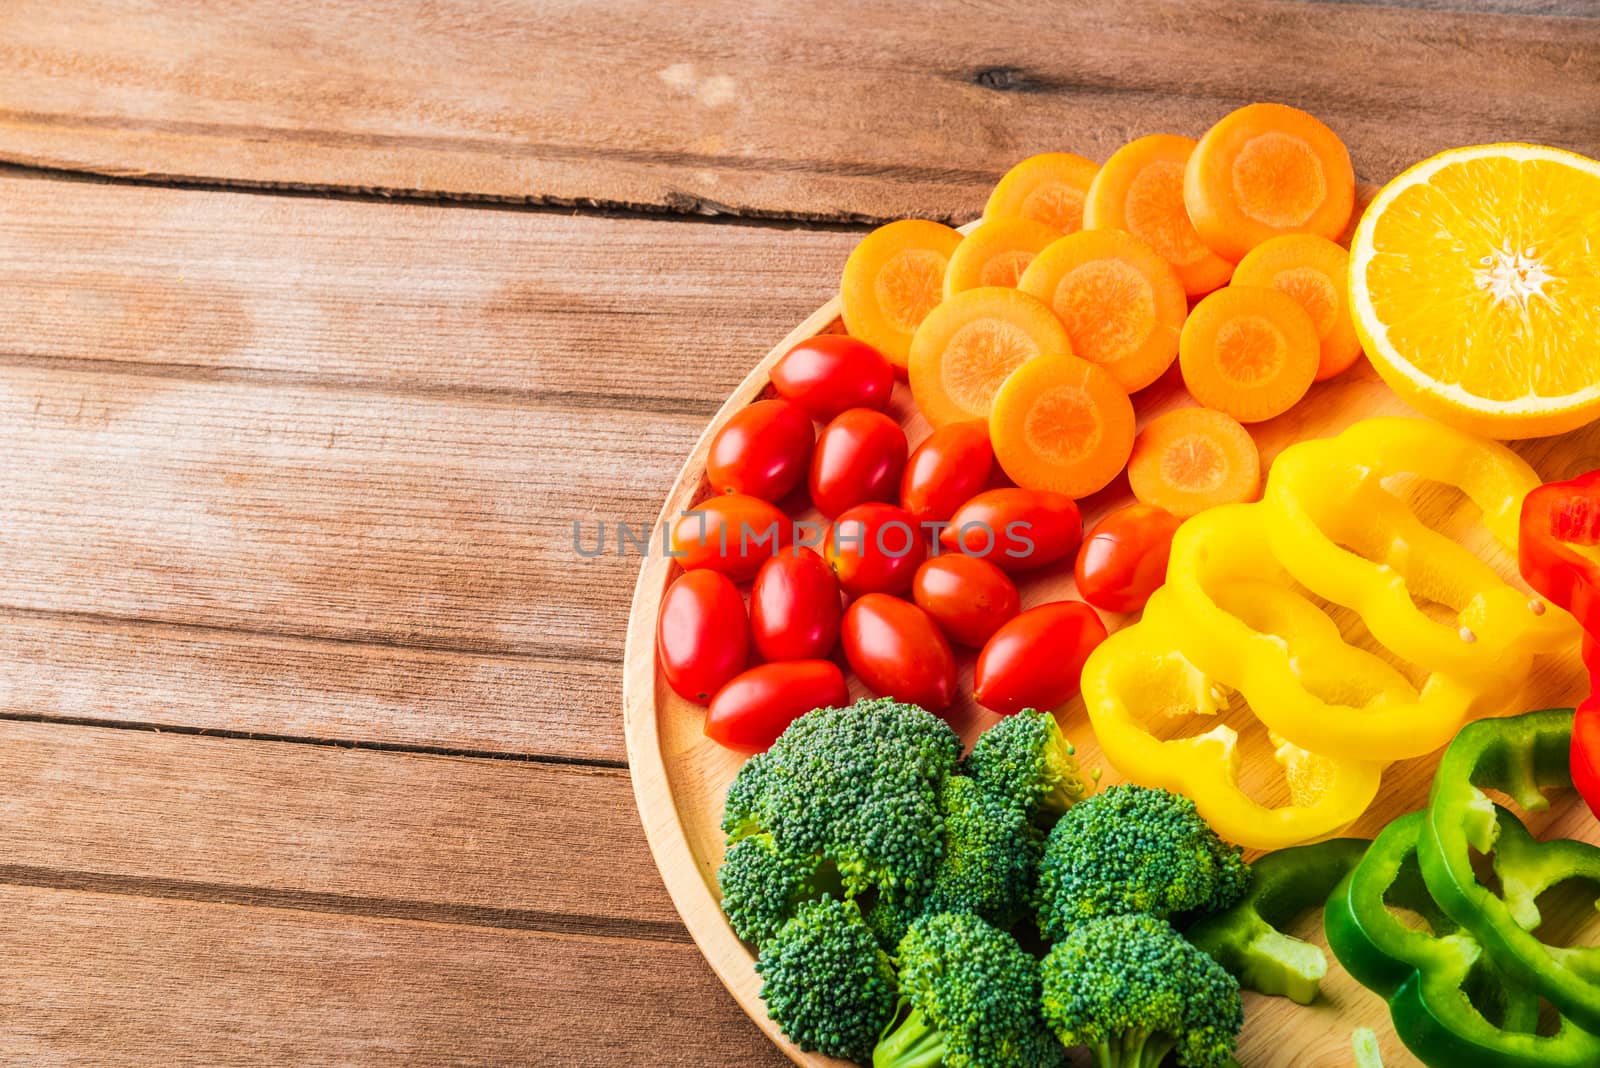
[
  {"x": 968, "y": 345},
  {"x": 1475, "y": 288},
  {"x": 892, "y": 280},
  {"x": 1047, "y": 188}
]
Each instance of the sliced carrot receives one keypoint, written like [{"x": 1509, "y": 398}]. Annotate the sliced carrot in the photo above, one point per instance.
[
  {"x": 1140, "y": 190},
  {"x": 1249, "y": 351},
  {"x": 1060, "y": 423},
  {"x": 968, "y": 345},
  {"x": 1312, "y": 270},
  {"x": 1191, "y": 459},
  {"x": 996, "y": 253},
  {"x": 1047, "y": 188},
  {"x": 1122, "y": 304},
  {"x": 892, "y": 280},
  {"x": 1265, "y": 170}
]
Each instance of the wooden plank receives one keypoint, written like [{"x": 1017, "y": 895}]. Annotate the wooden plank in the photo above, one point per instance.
[
  {"x": 90, "y": 669},
  {"x": 502, "y": 843},
  {"x": 110, "y": 980},
  {"x": 591, "y": 312},
  {"x": 909, "y": 109}
]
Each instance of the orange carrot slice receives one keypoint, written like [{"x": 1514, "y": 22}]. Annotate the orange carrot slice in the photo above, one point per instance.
[
  {"x": 892, "y": 280},
  {"x": 1248, "y": 351},
  {"x": 1312, "y": 270},
  {"x": 1140, "y": 190},
  {"x": 1122, "y": 304},
  {"x": 1047, "y": 188},
  {"x": 1191, "y": 459},
  {"x": 1060, "y": 423},
  {"x": 996, "y": 253},
  {"x": 967, "y": 346},
  {"x": 1265, "y": 170}
]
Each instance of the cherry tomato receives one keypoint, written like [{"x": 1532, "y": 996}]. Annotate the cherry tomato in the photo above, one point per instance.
[
  {"x": 763, "y": 450},
  {"x": 833, "y": 373},
  {"x": 794, "y": 607},
  {"x": 875, "y": 548},
  {"x": 1036, "y": 660},
  {"x": 751, "y": 711},
  {"x": 947, "y": 470},
  {"x": 702, "y": 636},
  {"x": 969, "y": 598},
  {"x": 897, "y": 650},
  {"x": 1124, "y": 558},
  {"x": 1016, "y": 529},
  {"x": 859, "y": 458},
  {"x": 732, "y": 534}
]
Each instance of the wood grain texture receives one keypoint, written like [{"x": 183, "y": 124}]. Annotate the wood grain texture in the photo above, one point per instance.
[
  {"x": 110, "y": 980},
  {"x": 721, "y": 108},
  {"x": 680, "y": 778},
  {"x": 502, "y": 843}
]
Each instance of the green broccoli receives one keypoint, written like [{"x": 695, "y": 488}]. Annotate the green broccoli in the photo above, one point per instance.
[
  {"x": 1026, "y": 760},
  {"x": 857, "y": 788},
  {"x": 969, "y": 998},
  {"x": 1133, "y": 849},
  {"x": 827, "y": 983},
  {"x": 1132, "y": 990},
  {"x": 761, "y": 885},
  {"x": 991, "y": 855}
]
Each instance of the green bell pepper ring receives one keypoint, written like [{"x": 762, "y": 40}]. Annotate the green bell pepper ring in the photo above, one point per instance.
[
  {"x": 1450, "y": 1005},
  {"x": 1246, "y": 939},
  {"x": 1522, "y": 756}
]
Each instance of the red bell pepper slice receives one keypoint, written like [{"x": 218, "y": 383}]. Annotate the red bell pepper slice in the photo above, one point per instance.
[{"x": 1559, "y": 520}]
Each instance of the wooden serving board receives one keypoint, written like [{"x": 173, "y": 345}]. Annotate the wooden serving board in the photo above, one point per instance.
[{"x": 680, "y": 778}]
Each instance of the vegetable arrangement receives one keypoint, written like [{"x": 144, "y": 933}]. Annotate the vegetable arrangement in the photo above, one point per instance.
[
  {"x": 912, "y": 908},
  {"x": 880, "y": 877}
]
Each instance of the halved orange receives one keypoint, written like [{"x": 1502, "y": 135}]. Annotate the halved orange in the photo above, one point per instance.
[{"x": 1475, "y": 288}]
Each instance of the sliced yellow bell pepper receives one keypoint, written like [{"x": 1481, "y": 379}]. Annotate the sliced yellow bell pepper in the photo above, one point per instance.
[
  {"x": 1236, "y": 616},
  {"x": 1136, "y": 683},
  {"x": 1338, "y": 531}
]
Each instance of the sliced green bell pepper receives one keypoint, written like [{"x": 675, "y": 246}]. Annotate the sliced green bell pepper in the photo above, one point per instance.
[
  {"x": 1246, "y": 939},
  {"x": 1521, "y": 756},
  {"x": 1451, "y": 1006}
]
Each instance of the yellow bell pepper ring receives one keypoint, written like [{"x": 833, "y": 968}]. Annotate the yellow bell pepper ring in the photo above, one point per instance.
[
  {"x": 1136, "y": 679},
  {"x": 1341, "y": 533},
  {"x": 1237, "y": 618}
]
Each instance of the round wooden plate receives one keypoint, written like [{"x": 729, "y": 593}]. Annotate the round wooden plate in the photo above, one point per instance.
[{"x": 680, "y": 778}]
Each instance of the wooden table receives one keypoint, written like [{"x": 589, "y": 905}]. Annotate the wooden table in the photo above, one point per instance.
[{"x": 321, "y": 327}]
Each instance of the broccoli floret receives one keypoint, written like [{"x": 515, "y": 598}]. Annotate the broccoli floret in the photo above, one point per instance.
[
  {"x": 1026, "y": 760},
  {"x": 827, "y": 983},
  {"x": 991, "y": 855},
  {"x": 969, "y": 998},
  {"x": 1132, "y": 990},
  {"x": 761, "y": 885},
  {"x": 857, "y": 787},
  {"x": 1133, "y": 849}
]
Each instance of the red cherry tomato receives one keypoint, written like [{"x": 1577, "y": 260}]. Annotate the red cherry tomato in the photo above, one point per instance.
[
  {"x": 763, "y": 450},
  {"x": 1036, "y": 660},
  {"x": 859, "y": 458},
  {"x": 750, "y": 712},
  {"x": 1124, "y": 558},
  {"x": 702, "y": 635},
  {"x": 833, "y": 373},
  {"x": 794, "y": 607},
  {"x": 947, "y": 470},
  {"x": 875, "y": 548},
  {"x": 1016, "y": 529},
  {"x": 969, "y": 598},
  {"x": 897, "y": 650},
  {"x": 733, "y": 534}
]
